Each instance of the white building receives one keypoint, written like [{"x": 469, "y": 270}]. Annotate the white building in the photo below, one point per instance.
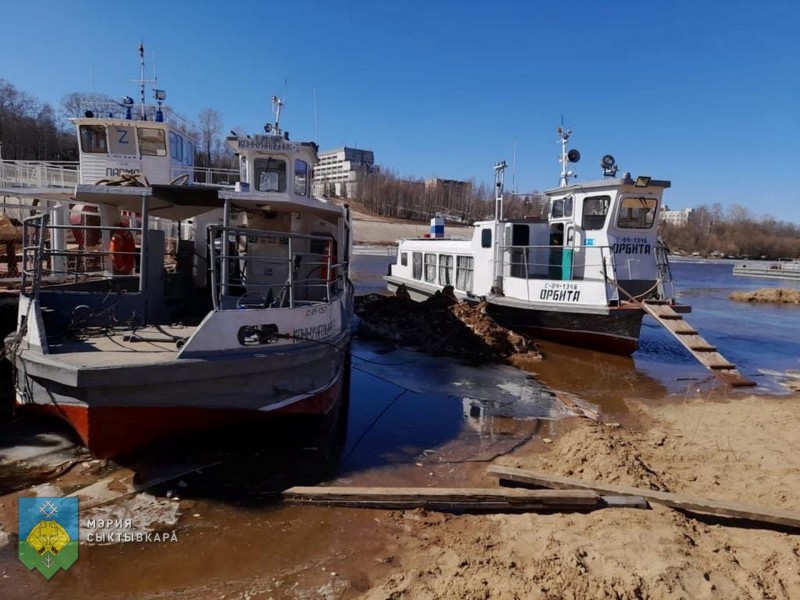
[
  {"x": 676, "y": 218},
  {"x": 338, "y": 171}
]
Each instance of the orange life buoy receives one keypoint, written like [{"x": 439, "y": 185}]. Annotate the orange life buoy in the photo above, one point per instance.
[
  {"x": 328, "y": 259},
  {"x": 121, "y": 250}
]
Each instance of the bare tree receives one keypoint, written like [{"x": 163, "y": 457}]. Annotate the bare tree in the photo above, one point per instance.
[{"x": 210, "y": 127}]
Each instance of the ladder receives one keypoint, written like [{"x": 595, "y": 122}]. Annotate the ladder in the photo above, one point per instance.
[{"x": 687, "y": 335}]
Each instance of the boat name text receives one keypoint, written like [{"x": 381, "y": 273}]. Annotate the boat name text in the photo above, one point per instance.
[
  {"x": 268, "y": 143},
  {"x": 560, "y": 295},
  {"x": 636, "y": 245},
  {"x": 117, "y": 172},
  {"x": 314, "y": 333}
]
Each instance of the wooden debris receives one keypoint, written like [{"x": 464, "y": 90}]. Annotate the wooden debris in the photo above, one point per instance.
[
  {"x": 721, "y": 508},
  {"x": 448, "y": 499}
]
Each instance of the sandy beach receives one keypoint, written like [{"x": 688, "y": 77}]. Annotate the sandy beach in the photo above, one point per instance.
[{"x": 728, "y": 446}]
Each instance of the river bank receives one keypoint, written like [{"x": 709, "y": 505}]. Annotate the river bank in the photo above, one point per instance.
[{"x": 422, "y": 422}]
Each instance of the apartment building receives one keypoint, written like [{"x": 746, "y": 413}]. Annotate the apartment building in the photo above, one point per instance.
[{"x": 338, "y": 171}]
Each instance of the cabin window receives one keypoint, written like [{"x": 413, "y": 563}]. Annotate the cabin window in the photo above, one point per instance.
[
  {"x": 270, "y": 175},
  {"x": 445, "y": 269},
  {"x": 175, "y": 146},
  {"x": 301, "y": 177},
  {"x": 188, "y": 152},
  {"x": 122, "y": 140},
  {"x": 430, "y": 267},
  {"x": 486, "y": 238},
  {"x": 404, "y": 259},
  {"x": 568, "y": 206},
  {"x": 595, "y": 210},
  {"x": 416, "y": 269},
  {"x": 152, "y": 142},
  {"x": 464, "y": 270},
  {"x": 557, "y": 209},
  {"x": 93, "y": 139},
  {"x": 637, "y": 213},
  {"x": 520, "y": 235}
]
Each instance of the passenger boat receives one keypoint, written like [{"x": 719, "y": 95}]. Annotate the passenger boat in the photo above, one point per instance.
[
  {"x": 583, "y": 275},
  {"x": 781, "y": 269},
  {"x": 150, "y": 311}
]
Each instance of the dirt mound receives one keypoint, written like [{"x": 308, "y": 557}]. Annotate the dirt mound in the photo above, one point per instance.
[
  {"x": 440, "y": 325},
  {"x": 777, "y": 295}
]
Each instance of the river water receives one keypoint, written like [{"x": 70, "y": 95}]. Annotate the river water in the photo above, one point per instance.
[{"x": 413, "y": 420}]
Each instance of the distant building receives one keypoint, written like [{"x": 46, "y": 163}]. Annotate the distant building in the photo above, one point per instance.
[
  {"x": 676, "y": 218},
  {"x": 338, "y": 171},
  {"x": 452, "y": 188}
]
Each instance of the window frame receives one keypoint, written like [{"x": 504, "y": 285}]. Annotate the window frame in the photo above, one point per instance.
[
  {"x": 465, "y": 272},
  {"x": 446, "y": 270},
  {"x": 96, "y": 144},
  {"x": 606, "y": 199},
  {"x": 632, "y": 222},
  {"x": 151, "y": 146},
  {"x": 430, "y": 267}
]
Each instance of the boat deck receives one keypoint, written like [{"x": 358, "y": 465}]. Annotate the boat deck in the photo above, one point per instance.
[{"x": 147, "y": 345}]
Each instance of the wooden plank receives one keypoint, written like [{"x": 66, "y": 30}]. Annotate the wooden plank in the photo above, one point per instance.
[
  {"x": 714, "y": 360},
  {"x": 680, "y": 327},
  {"x": 661, "y": 310},
  {"x": 446, "y": 498},
  {"x": 734, "y": 378},
  {"x": 721, "y": 508}
]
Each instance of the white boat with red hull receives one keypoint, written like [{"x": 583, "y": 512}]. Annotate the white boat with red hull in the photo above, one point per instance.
[
  {"x": 579, "y": 275},
  {"x": 266, "y": 333}
]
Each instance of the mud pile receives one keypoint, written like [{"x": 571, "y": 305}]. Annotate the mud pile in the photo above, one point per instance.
[{"x": 440, "y": 325}]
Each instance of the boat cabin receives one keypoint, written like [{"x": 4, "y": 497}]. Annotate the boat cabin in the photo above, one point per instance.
[{"x": 110, "y": 147}]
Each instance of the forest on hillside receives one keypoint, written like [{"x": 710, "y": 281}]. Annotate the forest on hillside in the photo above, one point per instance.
[{"x": 34, "y": 130}]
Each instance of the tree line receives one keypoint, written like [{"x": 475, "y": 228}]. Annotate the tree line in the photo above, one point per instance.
[
  {"x": 385, "y": 193},
  {"x": 734, "y": 232}
]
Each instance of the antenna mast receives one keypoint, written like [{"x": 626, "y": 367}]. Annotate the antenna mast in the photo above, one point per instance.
[
  {"x": 566, "y": 157},
  {"x": 142, "y": 80},
  {"x": 277, "y": 105}
]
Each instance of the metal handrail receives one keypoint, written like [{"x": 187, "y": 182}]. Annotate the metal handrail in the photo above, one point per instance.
[
  {"x": 38, "y": 223},
  {"x": 603, "y": 264},
  {"x": 46, "y": 259},
  {"x": 222, "y": 280}
]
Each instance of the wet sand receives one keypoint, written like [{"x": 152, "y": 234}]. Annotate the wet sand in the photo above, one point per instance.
[{"x": 235, "y": 540}]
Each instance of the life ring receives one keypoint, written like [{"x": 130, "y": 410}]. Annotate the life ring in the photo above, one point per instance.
[
  {"x": 121, "y": 251},
  {"x": 328, "y": 258}
]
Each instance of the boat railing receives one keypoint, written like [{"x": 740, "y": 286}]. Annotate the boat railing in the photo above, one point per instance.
[
  {"x": 209, "y": 176},
  {"x": 72, "y": 255},
  {"x": 596, "y": 263},
  {"x": 40, "y": 174},
  {"x": 33, "y": 245},
  {"x": 269, "y": 269},
  {"x": 138, "y": 112}
]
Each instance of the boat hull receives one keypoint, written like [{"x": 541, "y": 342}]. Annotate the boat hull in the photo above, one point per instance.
[
  {"x": 126, "y": 412},
  {"x": 616, "y": 332}
]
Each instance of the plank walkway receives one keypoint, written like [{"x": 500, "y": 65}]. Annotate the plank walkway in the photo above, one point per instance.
[
  {"x": 459, "y": 499},
  {"x": 706, "y": 354},
  {"x": 722, "y": 508}
]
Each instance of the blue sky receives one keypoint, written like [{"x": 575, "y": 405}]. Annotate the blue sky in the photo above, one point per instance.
[{"x": 705, "y": 94}]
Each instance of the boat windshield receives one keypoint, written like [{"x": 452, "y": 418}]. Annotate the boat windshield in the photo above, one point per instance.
[{"x": 637, "y": 213}]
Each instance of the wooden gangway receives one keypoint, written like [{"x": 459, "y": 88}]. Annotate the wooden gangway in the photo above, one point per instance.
[{"x": 687, "y": 335}]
